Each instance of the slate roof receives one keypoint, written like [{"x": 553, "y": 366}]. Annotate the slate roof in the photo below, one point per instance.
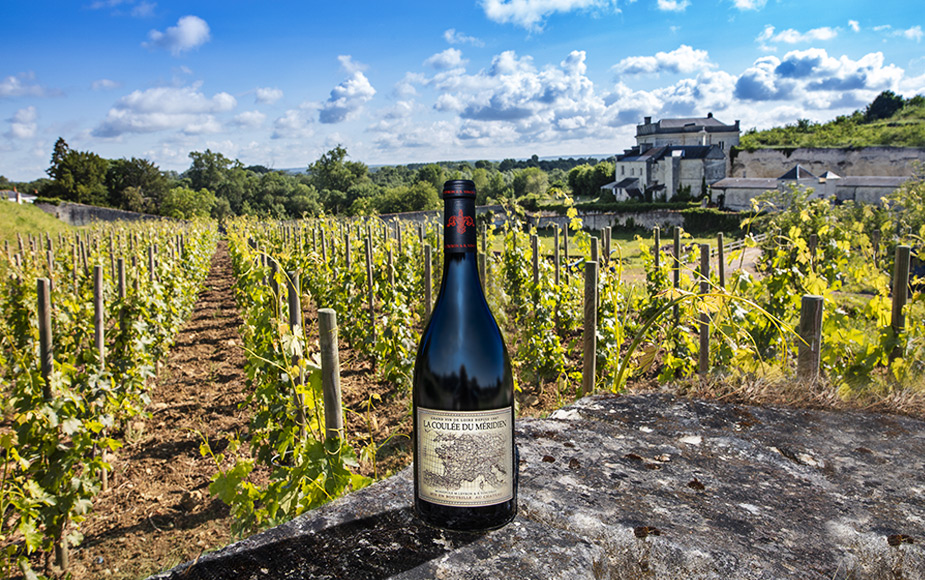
[
  {"x": 798, "y": 172},
  {"x": 688, "y": 152}
]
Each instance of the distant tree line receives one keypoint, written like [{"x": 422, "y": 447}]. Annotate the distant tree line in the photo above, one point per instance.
[{"x": 217, "y": 186}]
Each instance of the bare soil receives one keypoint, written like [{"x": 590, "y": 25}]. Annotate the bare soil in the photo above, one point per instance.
[{"x": 158, "y": 511}]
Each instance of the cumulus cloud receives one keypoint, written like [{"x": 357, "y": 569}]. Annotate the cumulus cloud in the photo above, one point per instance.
[
  {"x": 295, "y": 123},
  {"x": 532, "y": 14},
  {"x": 815, "y": 77},
  {"x": 23, "y": 124},
  {"x": 249, "y": 119},
  {"x": 165, "y": 108},
  {"x": 21, "y": 85},
  {"x": 268, "y": 95},
  {"x": 449, "y": 58},
  {"x": 189, "y": 33},
  {"x": 452, "y": 36},
  {"x": 673, "y": 5},
  {"x": 105, "y": 85},
  {"x": 682, "y": 60},
  {"x": 349, "y": 96}
]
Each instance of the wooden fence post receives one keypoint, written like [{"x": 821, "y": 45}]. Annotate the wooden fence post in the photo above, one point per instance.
[
  {"x": 704, "y": 362},
  {"x": 330, "y": 373},
  {"x": 428, "y": 283},
  {"x": 589, "y": 332},
  {"x": 900, "y": 292},
  {"x": 295, "y": 325},
  {"x": 46, "y": 347},
  {"x": 809, "y": 348},
  {"x": 721, "y": 260}
]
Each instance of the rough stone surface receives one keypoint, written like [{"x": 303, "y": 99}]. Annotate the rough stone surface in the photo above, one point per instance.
[
  {"x": 646, "y": 486},
  {"x": 78, "y": 214}
]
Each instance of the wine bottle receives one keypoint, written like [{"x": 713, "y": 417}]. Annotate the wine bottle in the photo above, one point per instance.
[{"x": 465, "y": 470}]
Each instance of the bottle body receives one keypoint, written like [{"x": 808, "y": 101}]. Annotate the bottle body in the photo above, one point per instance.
[{"x": 465, "y": 471}]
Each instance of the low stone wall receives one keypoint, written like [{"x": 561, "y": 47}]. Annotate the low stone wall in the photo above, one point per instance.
[
  {"x": 645, "y": 486},
  {"x": 78, "y": 214}
]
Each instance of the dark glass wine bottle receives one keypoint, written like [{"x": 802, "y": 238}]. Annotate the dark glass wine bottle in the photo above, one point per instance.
[{"x": 465, "y": 472}]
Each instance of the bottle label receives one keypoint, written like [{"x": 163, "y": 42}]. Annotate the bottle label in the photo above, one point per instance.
[
  {"x": 459, "y": 225},
  {"x": 465, "y": 458}
]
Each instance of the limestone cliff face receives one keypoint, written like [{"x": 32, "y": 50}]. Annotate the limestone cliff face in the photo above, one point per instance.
[{"x": 882, "y": 161}]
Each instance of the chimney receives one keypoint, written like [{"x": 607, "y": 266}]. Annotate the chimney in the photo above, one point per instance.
[
  {"x": 710, "y": 115},
  {"x": 647, "y": 120}
]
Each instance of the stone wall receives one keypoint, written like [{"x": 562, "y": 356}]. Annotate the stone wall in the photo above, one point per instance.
[
  {"x": 892, "y": 161},
  {"x": 77, "y": 214}
]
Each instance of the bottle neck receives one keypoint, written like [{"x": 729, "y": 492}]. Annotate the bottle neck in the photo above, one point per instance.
[{"x": 459, "y": 226}]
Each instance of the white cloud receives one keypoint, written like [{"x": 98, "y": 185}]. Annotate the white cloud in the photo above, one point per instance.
[
  {"x": 449, "y": 58},
  {"x": 452, "y": 36},
  {"x": 791, "y": 36},
  {"x": 189, "y": 33},
  {"x": 295, "y": 123},
  {"x": 20, "y": 86},
  {"x": 105, "y": 85},
  {"x": 749, "y": 4},
  {"x": 854, "y": 25},
  {"x": 268, "y": 95},
  {"x": 914, "y": 33},
  {"x": 683, "y": 60},
  {"x": 165, "y": 108},
  {"x": 532, "y": 14},
  {"x": 22, "y": 124},
  {"x": 673, "y": 5},
  {"x": 250, "y": 119},
  {"x": 349, "y": 96},
  {"x": 817, "y": 80},
  {"x": 349, "y": 65}
]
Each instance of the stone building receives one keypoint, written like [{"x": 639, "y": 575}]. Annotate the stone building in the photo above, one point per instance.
[
  {"x": 736, "y": 193},
  {"x": 692, "y": 131},
  {"x": 673, "y": 156}
]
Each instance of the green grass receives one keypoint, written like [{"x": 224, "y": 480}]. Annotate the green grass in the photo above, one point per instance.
[{"x": 27, "y": 219}]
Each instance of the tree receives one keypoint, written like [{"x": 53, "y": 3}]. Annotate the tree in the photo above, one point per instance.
[
  {"x": 136, "y": 185},
  {"x": 883, "y": 106},
  {"x": 530, "y": 181},
  {"x": 332, "y": 172},
  {"x": 185, "y": 203},
  {"x": 77, "y": 175},
  {"x": 208, "y": 170},
  {"x": 433, "y": 174}
]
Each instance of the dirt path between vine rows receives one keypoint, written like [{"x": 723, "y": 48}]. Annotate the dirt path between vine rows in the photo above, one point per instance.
[{"x": 158, "y": 511}]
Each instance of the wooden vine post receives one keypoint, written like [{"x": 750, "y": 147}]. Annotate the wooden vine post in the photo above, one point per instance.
[
  {"x": 589, "y": 332},
  {"x": 657, "y": 250},
  {"x": 676, "y": 270},
  {"x": 704, "y": 359},
  {"x": 46, "y": 348},
  {"x": 534, "y": 248},
  {"x": 555, "y": 255},
  {"x": 900, "y": 293},
  {"x": 483, "y": 259},
  {"x": 428, "y": 283},
  {"x": 330, "y": 374},
  {"x": 721, "y": 260},
  {"x": 371, "y": 294},
  {"x": 99, "y": 322},
  {"x": 809, "y": 346},
  {"x": 295, "y": 325}
]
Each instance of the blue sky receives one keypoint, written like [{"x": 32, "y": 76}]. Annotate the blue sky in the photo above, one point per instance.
[{"x": 280, "y": 82}]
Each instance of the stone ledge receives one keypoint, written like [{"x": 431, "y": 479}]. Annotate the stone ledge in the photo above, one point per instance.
[{"x": 646, "y": 486}]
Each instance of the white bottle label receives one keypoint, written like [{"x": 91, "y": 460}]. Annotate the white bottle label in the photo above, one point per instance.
[{"x": 465, "y": 458}]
